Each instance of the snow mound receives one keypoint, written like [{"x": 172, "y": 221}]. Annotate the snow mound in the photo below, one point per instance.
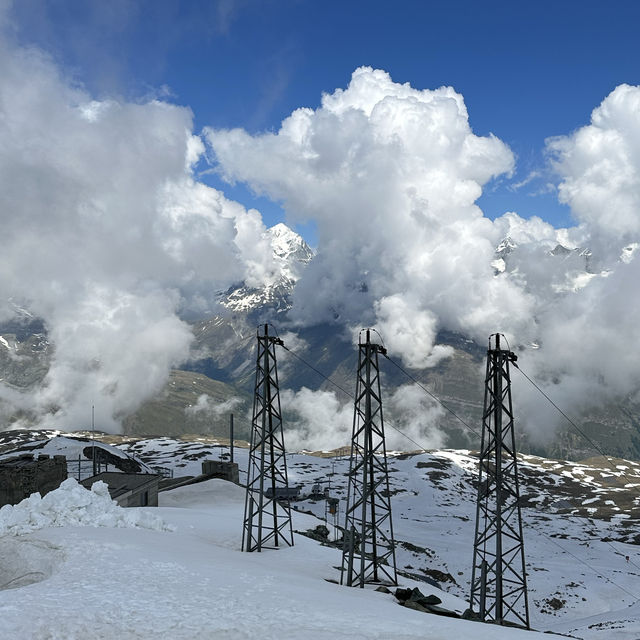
[{"x": 71, "y": 505}]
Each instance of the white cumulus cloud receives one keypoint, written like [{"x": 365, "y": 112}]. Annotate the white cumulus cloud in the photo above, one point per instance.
[
  {"x": 390, "y": 175},
  {"x": 108, "y": 238}
]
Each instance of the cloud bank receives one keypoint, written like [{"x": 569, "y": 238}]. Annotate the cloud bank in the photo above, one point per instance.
[
  {"x": 109, "y": 239},
  {"x": 390, "y": 175}
]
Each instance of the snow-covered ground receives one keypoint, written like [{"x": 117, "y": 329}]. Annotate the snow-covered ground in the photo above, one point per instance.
[
  {"x": 194, "y": 582},
  {"x": 182, "y": 575}
]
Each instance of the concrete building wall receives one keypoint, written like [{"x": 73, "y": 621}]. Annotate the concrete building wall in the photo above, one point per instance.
[
  {"x": 23, "y": 475},
  {"x": 145, "y": 496},
  {"x": 221, "y": 469}
]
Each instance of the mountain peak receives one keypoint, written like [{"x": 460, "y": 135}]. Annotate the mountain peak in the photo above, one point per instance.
[
  {"x": 292, "y": 254},
  {"x": 506, "y": 246},
  {"x": 289, "y": 245},
  {"x": 282, "y": 229}
]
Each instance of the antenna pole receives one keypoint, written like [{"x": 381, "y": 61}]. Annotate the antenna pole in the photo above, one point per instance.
[
  {"x": 93, "y": 440},
  {"x": 231, "y": 437}
]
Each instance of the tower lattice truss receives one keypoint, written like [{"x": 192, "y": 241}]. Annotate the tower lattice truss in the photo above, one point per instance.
[
  {"x": 498, "y": 584},
  {"x": 267, "y": 512},
  {"x": 369, "y": 552}
]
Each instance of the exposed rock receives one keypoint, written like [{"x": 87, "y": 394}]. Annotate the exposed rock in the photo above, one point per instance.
[
  {"x": 320, "y": 533},
  {"x": 383, "y": 589}
]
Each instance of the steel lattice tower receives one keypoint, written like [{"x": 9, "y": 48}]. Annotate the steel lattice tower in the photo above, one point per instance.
[
  {"x": 498, "y": 581},
  {"x": 267, "y": 513},
  {"x": 368, "y": 553}
]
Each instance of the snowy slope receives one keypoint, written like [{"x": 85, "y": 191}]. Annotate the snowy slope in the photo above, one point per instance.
[
  {"x": 195, "y": 583},
  {"x": 577, "y": 520}
]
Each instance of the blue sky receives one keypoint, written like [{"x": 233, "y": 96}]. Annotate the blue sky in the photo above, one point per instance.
[{"x": 526, "y": 71}]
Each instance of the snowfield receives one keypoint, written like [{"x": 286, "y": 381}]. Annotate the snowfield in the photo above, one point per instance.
[
  {"x": 75, "y": 565},
  {"x": 194, "y": 582}
]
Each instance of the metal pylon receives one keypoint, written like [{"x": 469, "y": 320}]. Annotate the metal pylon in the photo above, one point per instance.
[
  {"x": 267, "y": 513},
  {"x": 368, "y": 554},
  {"x": 498, "y": 581}
]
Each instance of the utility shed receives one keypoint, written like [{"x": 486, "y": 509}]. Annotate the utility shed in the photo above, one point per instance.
[
  {"x": 23, "y": 475},
  {"x": 221, "y": 469},
  {"x": 284, "y": 493},
  {"x": 129, "y": 489}
]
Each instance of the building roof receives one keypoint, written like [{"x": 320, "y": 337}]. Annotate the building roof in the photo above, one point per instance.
[{"x": 121, "y": 483}]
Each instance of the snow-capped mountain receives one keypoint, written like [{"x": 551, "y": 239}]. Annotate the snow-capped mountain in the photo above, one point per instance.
[
  {"x": 291, "y": 255},
  {"x": 563, "y": 269},
  {"x": 289, "y": 247}
]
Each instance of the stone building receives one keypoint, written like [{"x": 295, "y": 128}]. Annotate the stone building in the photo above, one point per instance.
[{"x": 22, "y": 475}]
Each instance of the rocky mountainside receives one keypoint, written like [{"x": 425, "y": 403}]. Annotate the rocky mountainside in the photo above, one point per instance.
[{"x": 219, "y": 376}]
